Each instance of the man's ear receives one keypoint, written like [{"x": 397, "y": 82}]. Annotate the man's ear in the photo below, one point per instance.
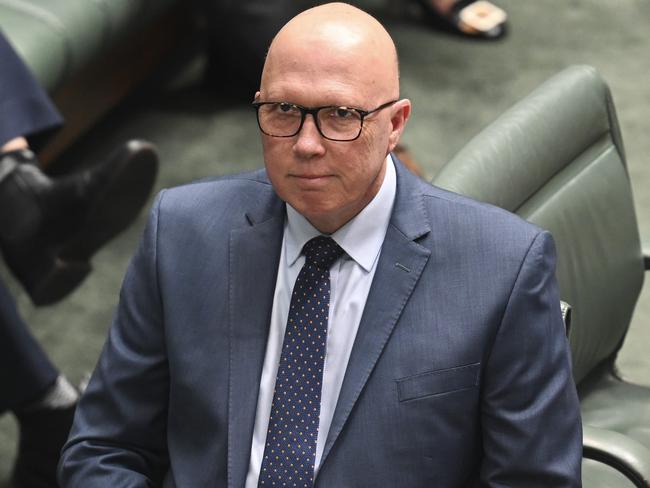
[{"x": 400, "y": 114}]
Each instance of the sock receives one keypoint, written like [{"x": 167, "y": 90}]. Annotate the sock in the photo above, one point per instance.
[{"x": 60, "y": 395}]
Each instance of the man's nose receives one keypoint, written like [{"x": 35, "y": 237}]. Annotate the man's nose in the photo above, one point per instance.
[{"x": 309, "y": 141}]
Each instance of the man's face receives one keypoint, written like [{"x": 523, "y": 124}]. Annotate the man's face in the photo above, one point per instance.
[{"x": 328, "y": 182}]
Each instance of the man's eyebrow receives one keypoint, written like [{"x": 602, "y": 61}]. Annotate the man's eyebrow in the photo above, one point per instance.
[{"x": 331, "y": 104}]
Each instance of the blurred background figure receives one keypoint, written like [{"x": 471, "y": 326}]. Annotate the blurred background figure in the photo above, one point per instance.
[
  {"x": 471, "y": 18},
  {"x": 250, "y": 26}
]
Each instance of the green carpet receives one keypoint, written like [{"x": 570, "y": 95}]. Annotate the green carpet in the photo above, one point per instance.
[{"x": 456, "y": 86}]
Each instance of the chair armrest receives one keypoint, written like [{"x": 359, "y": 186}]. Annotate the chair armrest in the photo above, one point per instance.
[{"x": 618, "y": 451}]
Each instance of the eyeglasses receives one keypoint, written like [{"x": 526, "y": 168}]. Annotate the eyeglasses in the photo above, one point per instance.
[{"x": 336, "y": 123}]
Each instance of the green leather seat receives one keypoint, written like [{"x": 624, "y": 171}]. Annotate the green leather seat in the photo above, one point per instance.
[
  {"x": 59, "y": 37},
  {"x": 90, "y": 54},
  {"x": 38, "y": 42},
  {"x": 557, "y": 159},
  {"x": 595, "y": 473}
]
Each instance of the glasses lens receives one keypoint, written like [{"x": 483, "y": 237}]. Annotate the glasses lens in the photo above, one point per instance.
[
  {"x": 279, "y": 119},
  {"x": 339, "y": 123}
]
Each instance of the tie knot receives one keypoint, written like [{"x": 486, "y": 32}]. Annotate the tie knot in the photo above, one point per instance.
[{"x": 322, "y": 251}]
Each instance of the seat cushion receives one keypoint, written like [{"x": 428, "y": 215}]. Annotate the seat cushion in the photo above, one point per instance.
[
  {"x": 599, "y": 475},
  {"x": 611, "y": 404}
]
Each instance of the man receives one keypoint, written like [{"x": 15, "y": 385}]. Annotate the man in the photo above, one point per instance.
[{"x": 422, "y": 344}]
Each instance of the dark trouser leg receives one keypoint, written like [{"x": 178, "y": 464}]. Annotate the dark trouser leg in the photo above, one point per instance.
[
  {"x": 25, "y": 109},
  {"x": 26, "y": 373}
]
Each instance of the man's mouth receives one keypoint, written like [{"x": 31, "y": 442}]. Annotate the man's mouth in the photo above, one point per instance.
[{"x": 311, "y": 180}]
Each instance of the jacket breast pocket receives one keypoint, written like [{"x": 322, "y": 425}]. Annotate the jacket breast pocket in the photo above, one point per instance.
[{"x": 438, "y": 382}]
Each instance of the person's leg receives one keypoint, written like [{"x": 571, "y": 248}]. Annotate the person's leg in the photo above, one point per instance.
[
  {"x": 25, "y": 370},
  {"x": 37, "y": 394},
  {"x": 479, "y": 19},
  {"x": 15, "y": 144},
  {"x": 50, "y": 227}
]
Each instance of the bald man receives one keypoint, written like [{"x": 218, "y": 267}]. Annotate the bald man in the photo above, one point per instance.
[{"x": 332, "y": 320}]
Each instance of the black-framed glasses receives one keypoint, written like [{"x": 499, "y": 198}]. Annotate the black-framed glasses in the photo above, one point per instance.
[{"x": 336, "y": 123}]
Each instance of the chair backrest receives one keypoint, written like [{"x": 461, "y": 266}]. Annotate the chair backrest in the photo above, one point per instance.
[{"x": 556, "y": 159}]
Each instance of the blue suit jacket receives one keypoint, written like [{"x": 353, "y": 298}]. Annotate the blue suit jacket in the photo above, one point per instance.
[{"x": 459, "y": 375}]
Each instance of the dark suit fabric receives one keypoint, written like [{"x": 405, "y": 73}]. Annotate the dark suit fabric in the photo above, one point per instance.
[
  {"x": 459, "y": 375},
  {"x": 25, "y": 109},
  {"x": 251, "y": 26},
  {"x": 25, "y": 370}
]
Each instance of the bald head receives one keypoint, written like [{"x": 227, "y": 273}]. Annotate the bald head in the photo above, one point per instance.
[
  {"x": 339, "y": 42},
  {"x": 338, "y": 64}
]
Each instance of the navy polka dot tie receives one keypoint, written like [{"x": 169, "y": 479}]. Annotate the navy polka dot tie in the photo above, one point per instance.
[{"x": 290, "y": 450}]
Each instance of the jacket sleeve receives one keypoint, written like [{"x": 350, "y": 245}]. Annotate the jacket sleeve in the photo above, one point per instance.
[
  {"x": 530, "y": 414},
  {"x": 119, "y": 433}
]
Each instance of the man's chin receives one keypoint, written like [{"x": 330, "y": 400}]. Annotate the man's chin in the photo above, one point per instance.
[{"x": 312, "y": 183}]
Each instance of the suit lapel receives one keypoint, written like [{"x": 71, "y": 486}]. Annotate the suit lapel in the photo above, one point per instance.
[
  {"x": 398, "y": 270},
  {"x": 253, "y": 263}
]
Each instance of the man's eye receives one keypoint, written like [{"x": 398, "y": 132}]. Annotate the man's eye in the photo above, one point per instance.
[
  {"x": 286, "y": 107},
  {"x": 344, "y": 113}
]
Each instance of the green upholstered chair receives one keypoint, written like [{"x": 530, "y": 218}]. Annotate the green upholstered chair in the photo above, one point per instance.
[
  {"x": 57, "y": 38},
  {"x": 556, "y": 159}
]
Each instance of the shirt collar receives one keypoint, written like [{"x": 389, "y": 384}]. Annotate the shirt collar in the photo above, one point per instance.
[{"x": 361, "y": 238}]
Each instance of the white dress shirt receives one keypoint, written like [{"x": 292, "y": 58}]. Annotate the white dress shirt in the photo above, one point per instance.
[{"x": 350, "y": 279}]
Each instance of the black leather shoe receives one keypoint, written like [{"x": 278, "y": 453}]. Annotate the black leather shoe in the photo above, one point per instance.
[
  {"x": 42, "y": 436},
  {"x": 50, "y": 227}
]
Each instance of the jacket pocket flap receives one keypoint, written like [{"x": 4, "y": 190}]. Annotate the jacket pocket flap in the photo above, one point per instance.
[{"x": 437, "y": 382}]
